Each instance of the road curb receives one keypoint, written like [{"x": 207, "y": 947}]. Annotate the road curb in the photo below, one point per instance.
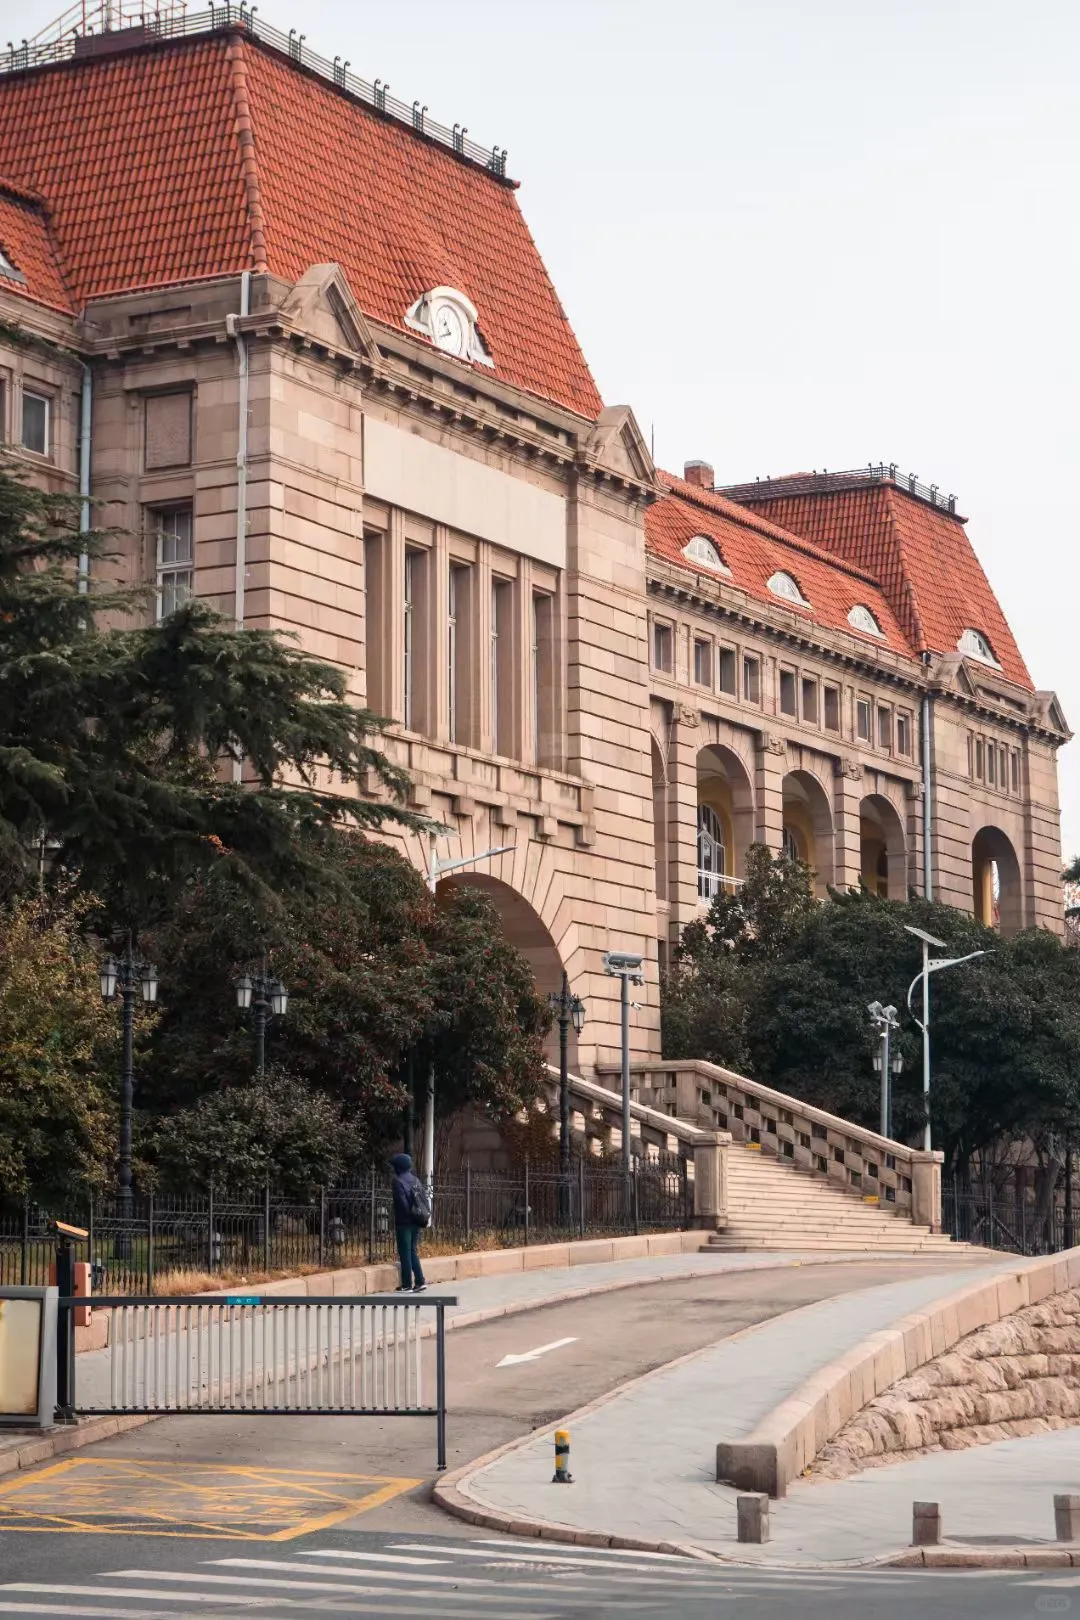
[{"x": 39, "y": 1448}]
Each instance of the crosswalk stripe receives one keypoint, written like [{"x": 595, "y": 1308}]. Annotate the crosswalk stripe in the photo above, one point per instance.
[
  {"x": 619, "y": 1573},
  {"x": 71, "y": 1608},
  {"x": 601, "y": 1552},
  {"x": 540, "y": 1554},
  {"x": 421, "y": 1581},
  {"x": 340, "y": 1587},
  {"x": 236, "y": 1600},
  {"x": 381, "y": 1558}
]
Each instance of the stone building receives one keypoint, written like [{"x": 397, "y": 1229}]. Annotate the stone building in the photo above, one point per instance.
[{"x": 299, "y": 343}]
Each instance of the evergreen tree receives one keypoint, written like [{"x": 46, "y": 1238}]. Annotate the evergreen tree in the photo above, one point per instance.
[{"x": 117, "y": 744}]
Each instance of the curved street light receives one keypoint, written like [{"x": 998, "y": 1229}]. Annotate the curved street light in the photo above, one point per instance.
[{"x": 930, "y": 965}]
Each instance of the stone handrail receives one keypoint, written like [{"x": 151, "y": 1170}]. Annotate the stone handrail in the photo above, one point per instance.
[{"x": 902, "y": 1180}]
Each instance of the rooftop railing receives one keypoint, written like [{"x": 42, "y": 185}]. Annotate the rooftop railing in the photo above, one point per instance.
[
  {"x": 68, "y": 41},
  {"x": 817, "y": 483}
]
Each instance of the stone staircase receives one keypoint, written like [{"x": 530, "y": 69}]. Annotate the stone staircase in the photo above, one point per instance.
[{"x": 773, "y": 1205}]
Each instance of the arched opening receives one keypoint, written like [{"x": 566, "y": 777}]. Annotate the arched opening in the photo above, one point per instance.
[
  {"x": 808, "y": 826},
  {"x": 883, "y": 848},
  {"x": 997, "y": 899},
  {"x": 523, "y": 927},
  {"x": 659, "y": 813},
  {"x": 725, "y": 827}
]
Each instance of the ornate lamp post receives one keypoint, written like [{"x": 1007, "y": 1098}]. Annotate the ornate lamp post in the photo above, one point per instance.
[
  {"x": 267, "y": 997},
  {"x": 568, "y": 1009},
  {"x": 127, "y": 978}
]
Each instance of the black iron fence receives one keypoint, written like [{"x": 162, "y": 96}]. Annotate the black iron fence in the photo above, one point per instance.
[
  {"x": 996, "y": 1220},
  {"x": 161, "y": 1240}
]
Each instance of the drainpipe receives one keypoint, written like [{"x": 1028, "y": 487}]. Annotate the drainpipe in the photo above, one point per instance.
[
  {"x": 233, "y": 328},
  {"x": 927, "y": 712},
  {"x": 84, "y": 473}
]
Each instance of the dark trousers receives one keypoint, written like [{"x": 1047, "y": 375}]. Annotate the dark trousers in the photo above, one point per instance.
[{"x": 408, "y": 1238}]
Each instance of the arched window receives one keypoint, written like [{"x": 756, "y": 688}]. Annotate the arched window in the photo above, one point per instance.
[
  {"x": 790, "y": 846},
  {"x": 784, "y": 585},
  {"x": 973, "y": 644},
  {"x": 711, "y": 854},
  {"x": 861, "y": 618},
  {"x": 701, "y": 549}
]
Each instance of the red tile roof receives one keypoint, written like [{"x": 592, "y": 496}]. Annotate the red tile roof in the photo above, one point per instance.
[
  {"x": 920, "y": 553},
  {"x": 27, "y": 244},
  {"x": 206, "y": 156},
  {"x": 754, "y": 549}
]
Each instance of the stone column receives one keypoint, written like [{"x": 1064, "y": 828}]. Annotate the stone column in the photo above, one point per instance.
[
  {"x": 770, "y": 763},
  {"x": 926, "y": 1189},
  {"x": 847, "y": 799},
  {"x": 710, "y": 1180},
  {"x": 682, "y": 810}
]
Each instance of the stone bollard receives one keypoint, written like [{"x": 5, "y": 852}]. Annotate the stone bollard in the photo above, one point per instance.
[
  {"x": 753, "y": 1517},
  {"x": 1067, "y": 1518},
  {"x": 926, "y": 1524}
]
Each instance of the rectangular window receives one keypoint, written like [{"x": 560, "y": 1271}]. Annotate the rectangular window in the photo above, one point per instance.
[
  {"x": 971, "y": 754},
  {"x": 175, "y": 544},
  {"x": 3, "y": 410},
  {"x": 862, "y": 719},
  {"x": 376, "y": 662},
  {"x": 543, "y": 683},
  {"x": 903, "y": 734},
  {"x": 502, "y": 677},
  {"x": 35, "y": 422},
  {"x": 991, "y": 765},
  {"x": 702, "y": 662},
  {"x": 884, "y": 728},
  {"x": 810, "y": 702},
  {"x": 662, "y": 647},
  {"x": 751, "y": 680},
  {"x": 726, "y": 671},
  {"x": 789, "y": 703},
  {"x": 1016, "y": 772},
  {"x": 980, "y": 759},
  {"x": 457, "y": 653},
  {"x": 832, "y": 708},
  {"x": 412, "y": 569},
  {"x": 1003, "y": 770}
]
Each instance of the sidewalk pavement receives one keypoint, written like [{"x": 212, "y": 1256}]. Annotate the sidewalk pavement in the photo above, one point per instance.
[
  {"x": 643, "y": 1461},
  {"x": 479, "y": 1299}
]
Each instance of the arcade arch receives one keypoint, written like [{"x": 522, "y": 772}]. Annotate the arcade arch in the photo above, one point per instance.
[
  {"x": 997, "y": 895},
  {"x": 883, "y": 847},
  {"x": 808, "y": 826}
]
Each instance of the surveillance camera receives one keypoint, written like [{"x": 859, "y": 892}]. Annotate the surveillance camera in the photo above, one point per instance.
[{"x": 622, "y": 962}]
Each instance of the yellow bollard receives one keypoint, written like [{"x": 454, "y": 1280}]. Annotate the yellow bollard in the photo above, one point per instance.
[{"x": 562, "y": 1475}]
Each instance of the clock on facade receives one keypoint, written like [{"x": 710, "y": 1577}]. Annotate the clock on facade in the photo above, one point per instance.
[{"x": 449, "y": 319}]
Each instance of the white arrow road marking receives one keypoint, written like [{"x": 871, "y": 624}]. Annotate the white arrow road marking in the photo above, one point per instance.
[{"x": 534, "y": 1355}]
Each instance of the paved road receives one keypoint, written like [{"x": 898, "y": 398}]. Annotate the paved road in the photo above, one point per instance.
[
  {"x": 499, "y": 1579},
  {"x": 153, "y": 1522}
]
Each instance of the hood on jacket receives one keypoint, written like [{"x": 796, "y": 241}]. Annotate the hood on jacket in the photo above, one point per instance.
[{"x": 400, "y": 1163}]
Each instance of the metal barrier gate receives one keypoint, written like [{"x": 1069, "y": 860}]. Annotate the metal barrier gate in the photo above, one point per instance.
[{"x": 272, "y": 1356}]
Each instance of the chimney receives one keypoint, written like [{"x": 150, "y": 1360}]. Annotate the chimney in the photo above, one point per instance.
[{"x": 699, "y": 473}]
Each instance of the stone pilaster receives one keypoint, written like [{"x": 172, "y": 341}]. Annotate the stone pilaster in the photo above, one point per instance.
[
  {"x": 682, "y": 813},
  {"x": 847, "y": 833},
  {"x": 770, "y": 764}
]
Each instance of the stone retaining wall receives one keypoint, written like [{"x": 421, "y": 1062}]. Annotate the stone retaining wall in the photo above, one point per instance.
[{"x": 1015, "y": 1377}]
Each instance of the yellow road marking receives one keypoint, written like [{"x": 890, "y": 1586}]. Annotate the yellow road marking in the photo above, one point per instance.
[{"x": 217, "y": 1501}]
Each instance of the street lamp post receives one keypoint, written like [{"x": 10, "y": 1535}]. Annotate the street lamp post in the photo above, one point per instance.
[
  {"x": 267, "y": 998},
  {"x": 930, "y": 966},
  {"x": 885, "y": 1021},
  {"x": 438, "y": 869},
  {"x": 127, "y": 978},
  {"x": 626, "y": 966},
  {"x": 568, "y": 1009}
]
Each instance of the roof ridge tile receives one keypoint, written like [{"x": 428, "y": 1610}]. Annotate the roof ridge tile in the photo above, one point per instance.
[{"x": 249, "y": 163}]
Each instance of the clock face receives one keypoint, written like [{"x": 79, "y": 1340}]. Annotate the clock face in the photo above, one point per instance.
[{"x": 448, "y": 328}]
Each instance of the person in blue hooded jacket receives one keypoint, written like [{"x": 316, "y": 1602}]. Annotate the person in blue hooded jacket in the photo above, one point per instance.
[{"x": 403, "y": 1183}]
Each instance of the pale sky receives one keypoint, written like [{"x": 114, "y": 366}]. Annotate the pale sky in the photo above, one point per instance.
[{"x": 798, "y": 234}]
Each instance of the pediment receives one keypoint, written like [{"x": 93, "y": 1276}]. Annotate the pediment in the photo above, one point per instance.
[
  {"x": 321, "y": 306},
  {"x": 616, "y": 443}
]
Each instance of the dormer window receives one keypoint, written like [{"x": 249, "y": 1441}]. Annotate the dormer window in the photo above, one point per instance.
[
  {"x": 8, "y": 269},
  {"x": 861, "y": 618},
  {"x": 973, "y": 644},
  {"x": 703, "y": 550},
  {"x": 784, "y": 585},
  {"x": 449, "y": 319}
]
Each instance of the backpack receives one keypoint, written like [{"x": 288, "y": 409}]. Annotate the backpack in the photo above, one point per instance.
[{"x": 419, "y": 1204}]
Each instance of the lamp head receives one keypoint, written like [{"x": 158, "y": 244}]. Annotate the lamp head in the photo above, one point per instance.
[
  {"x": 244, "y": 989},
  {"x": 577, "y": 1015},
  {"x": 108, "y": 975},
  {"x": 927, "y": 939}
]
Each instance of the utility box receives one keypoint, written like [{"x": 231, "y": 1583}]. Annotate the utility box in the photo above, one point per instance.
[{"x": 28, "y": 1318}]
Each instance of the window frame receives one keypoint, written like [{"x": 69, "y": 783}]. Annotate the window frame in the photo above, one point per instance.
[
  {"x": 702, "y": 645},
  {"x": 831, "y": 692},
  {"x": 663, "y": 632},
  {"x": 751, "y": 679},
  {"x": 789, "y": 690},
  {"x": 176, "y": 567},
  {"x": 864, "y": 706},
  {"x": 47, "y": 401},
  {"x": 884, "y": 729},
  {"x": 727, "y": 657},
  {"x": 903, "y": 733}
]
